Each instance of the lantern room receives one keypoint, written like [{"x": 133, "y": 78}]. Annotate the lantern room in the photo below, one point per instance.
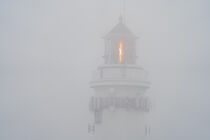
[{"x": 120, "y": 45}]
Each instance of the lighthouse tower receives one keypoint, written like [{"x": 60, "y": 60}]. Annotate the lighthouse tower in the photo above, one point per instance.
[{"x": 119, "y": 104}]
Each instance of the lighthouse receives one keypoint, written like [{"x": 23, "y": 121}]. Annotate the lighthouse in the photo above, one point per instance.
[{"x": 119, "y": 104}]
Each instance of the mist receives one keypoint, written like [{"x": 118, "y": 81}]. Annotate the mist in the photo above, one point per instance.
[{"x": 49, "y": 49}]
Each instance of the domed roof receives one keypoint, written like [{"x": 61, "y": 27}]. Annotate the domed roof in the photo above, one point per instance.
[{"x": 120, "y": 29}]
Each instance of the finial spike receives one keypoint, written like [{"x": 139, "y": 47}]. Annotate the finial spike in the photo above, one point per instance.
[
  {"x": 120, "y": 19},
  {"x": 122, "y": 14}
]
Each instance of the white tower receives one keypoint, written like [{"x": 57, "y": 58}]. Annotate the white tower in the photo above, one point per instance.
[{"x": 119, "y": 104}]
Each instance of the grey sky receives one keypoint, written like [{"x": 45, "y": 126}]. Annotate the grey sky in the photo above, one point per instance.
[{"x": 48, "y": 50}]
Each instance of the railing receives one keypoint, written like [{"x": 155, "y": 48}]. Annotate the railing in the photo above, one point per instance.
[{"x": 123, "y": 73}]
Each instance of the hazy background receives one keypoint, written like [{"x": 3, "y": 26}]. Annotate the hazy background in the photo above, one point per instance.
[{"x": 49, "y": 48}]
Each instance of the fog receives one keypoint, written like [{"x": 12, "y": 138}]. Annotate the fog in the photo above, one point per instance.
[{"x": 48, "y": 50}]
